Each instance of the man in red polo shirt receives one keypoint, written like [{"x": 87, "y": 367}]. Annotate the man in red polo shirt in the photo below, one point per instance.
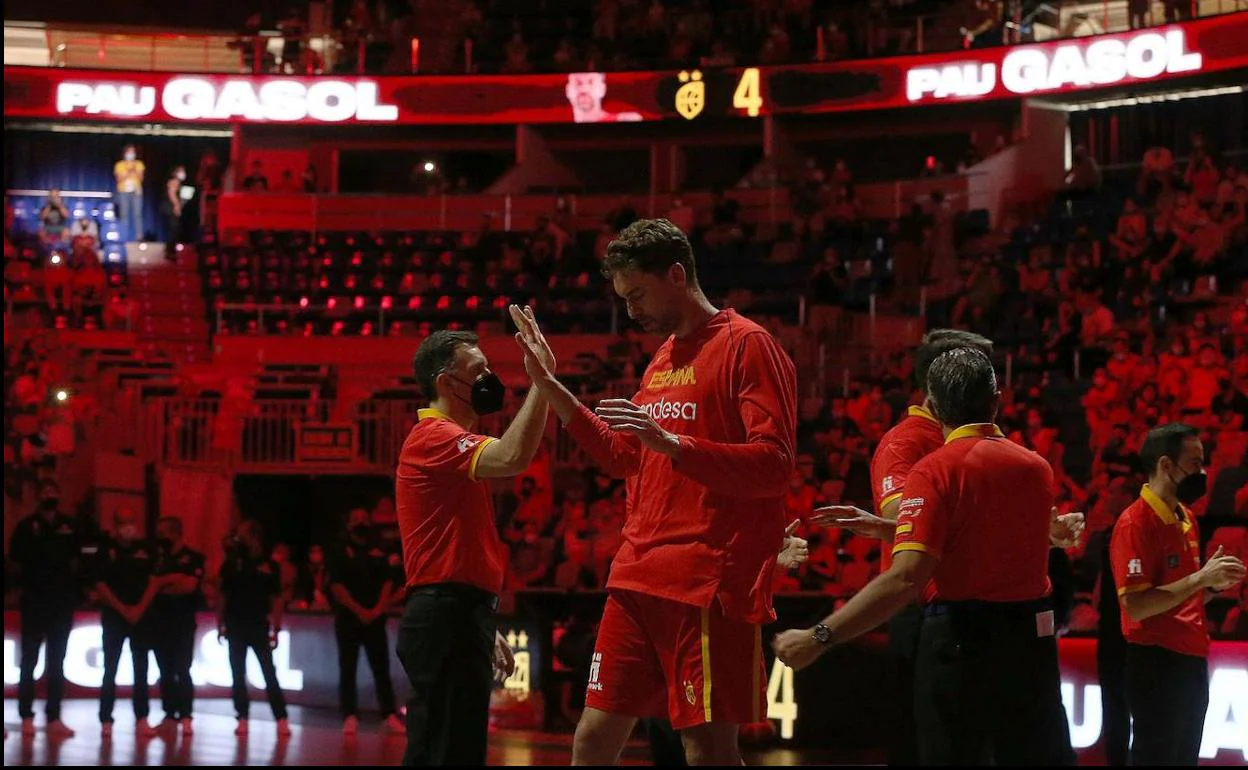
[
  {"x": 454, "y": 561},
  {"x": 707, "y": 447},
  {"x": 1162, "y": 587},
  {"x": 973, "y": 538},
  {"x": 916, "y": 436}
]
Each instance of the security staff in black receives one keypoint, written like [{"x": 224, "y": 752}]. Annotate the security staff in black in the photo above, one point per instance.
[
  {"x": 361, "y": 587},
  {"x": 45, "y": 553},
  {"x": 126, "y": 590},
  {"x": 250, "y": 617},
  {"x": 179, "y": 577}
]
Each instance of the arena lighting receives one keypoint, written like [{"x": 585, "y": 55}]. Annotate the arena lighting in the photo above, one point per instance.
[
  {"x": 192, "y": 98},
  {"x": 1081, "y": 64},
  {"x": 429, "y": 167},
  {"x": 55, "y": 259},
  {"x": 62, "y": 395}
]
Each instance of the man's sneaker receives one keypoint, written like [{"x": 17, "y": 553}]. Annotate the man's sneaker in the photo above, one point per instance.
[
  {"x": 186, "y": 727},
  {"x": 144, "y": 729},
  {"x": 106, "y": 730},
  {"x": 394, "y": 725},
  {"x": 28, "y": 727},
  {"x": 283, "y": 728},
  {"x": 242, "y": 727},
  {"x": 350, "y": 726}
]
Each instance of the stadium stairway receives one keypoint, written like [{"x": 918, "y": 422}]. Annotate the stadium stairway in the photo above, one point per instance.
[{"x": 170, "y": 312}]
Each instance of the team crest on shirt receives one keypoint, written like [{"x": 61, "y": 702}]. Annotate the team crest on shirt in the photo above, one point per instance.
[
  {"x": 691, "y": 695},
  {"x": 889, "y": 484},
  {"x": 1172, "y": 561},
  {"x": 1135, "y": 567},
  {"x": 465, "y": 443}
]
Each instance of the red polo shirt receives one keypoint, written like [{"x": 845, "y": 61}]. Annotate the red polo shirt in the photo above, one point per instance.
[
  {"x": 1152, "y": 547},
  {"x": 982, "y": 505},
  {"x": 915, "y": 437},
  {"x": 446, "y": 515}
]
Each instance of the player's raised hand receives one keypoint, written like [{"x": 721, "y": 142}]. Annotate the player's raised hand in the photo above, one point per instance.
[
  {"x": 854, "y": 519},
  {"x": 623, "y": 416},
  {"x": 795, "y": 551},
  {"x": 539, "y": 359}
]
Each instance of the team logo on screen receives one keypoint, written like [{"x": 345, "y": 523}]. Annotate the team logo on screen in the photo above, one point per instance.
[{"x": 691, "y": 97}]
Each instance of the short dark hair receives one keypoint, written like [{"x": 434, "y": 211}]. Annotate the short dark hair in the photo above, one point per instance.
[
  {"x": 435, "y": 354},
  {"x": 963, "y": 387},
  {"x": 939, "y": 341},
  {"x": 651, "y": 246},
  {"x": 1165, "y": 441}
]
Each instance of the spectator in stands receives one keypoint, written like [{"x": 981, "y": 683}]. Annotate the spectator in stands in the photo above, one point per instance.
[
  {"x": 256, "y": 181},
  {"x": 128, "y": 194},
  {"x": 171, "y": 208},
  {"x": 53, "y": 220},
  {"x": 1084, "y": 177},
  {"x": 1137, "y": 13},
  {"x": 311, "y": 183},
  {"x": 83, "y": 234},
  {"x": 681, "y": 214},
  {"x": 828, "y": 283},
  {"x": 288, "y": 183},
  {"x": 1156, "y": 172}
]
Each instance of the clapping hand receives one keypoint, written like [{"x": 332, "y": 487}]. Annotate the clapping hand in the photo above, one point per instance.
[
  {"x": 623, "y": 416},
  {"x": 539, "y": 359},
  {"x": 854, "y": 519},
  {"x": 1066, "y": 529},
  {"x": 795, "y": 551}
]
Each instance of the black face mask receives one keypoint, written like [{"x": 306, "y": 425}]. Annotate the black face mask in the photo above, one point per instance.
[
  {"x": 1191, "y": 488},
  {"x": 50, "y": 503},
  {"x": 487, "y": 393},
  {"x": 357, "y": 532}
]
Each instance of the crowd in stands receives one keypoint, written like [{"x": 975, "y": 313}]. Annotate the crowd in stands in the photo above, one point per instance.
[{"x": 1123, "y": 306}]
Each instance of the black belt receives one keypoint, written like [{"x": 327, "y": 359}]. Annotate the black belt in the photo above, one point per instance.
[
  {"x": 988, "y": 610},
  {"x": 457, "y": 590}
]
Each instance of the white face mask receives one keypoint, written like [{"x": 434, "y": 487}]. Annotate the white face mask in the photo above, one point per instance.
[
  {"x": 130, "y": 156},
  {"x": 181, "y": 175}
]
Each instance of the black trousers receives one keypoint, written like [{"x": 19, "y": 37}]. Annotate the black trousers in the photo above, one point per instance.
[
  {"x": 115, "y": 631},
  {"x": 446, "y": 646},
  {"x": 1111, "y": 667},
  {"x": 987, "y": 688},
  {"x": 351, "y": 635},
  {"x": 666, "y": 747},
  {"x": 173, "y": 641},
  {"x": 48, "y": 623},
  {"x": 242, "y": 637},
  {"x": 903, "y": 642},
  {"x": 1169, "y": 694}
]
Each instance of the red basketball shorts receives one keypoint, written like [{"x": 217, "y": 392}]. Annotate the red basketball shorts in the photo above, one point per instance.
[{"x": 663, "y": 659}]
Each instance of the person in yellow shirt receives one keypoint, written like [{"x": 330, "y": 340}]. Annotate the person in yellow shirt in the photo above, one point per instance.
[{"x": 128, "y": 194}]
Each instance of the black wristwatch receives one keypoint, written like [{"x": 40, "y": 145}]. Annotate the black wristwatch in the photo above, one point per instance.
[{"x": 822, "y": 634}]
